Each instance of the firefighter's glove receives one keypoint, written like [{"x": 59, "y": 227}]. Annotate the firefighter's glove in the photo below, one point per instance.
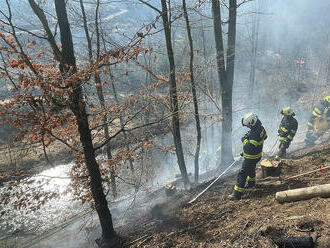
[{"x": 246, "y": 136}]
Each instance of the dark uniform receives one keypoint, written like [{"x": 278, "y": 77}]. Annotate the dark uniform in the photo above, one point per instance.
[
  {"x": 252, "y": 152},
  {"x": 286, "y": 132},
  {"x": 318, "y": 122}
]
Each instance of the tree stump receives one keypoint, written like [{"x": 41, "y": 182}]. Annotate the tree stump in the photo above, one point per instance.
[{"x": 270, "y": 168}]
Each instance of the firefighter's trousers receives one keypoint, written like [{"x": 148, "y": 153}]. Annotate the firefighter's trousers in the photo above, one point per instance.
[
  {"x": 312, "y": 136},
  {"x": 282, "y": 149},
  {"x": 316, "y": 128},
  {"x": 247, "y": 172}
]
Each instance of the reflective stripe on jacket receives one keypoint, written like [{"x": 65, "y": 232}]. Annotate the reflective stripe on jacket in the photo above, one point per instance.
[
  {"x": 320, "y": 111},
  {"x": 253, "y": 143},
  {"x": 287, "y": 129}
]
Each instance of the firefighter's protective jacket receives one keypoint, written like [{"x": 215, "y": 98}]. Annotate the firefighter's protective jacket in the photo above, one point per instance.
[
  {"x": 253, "y": 142},
  {"x": 321, "y": 114},
  {"x": 287, "y": 129}
]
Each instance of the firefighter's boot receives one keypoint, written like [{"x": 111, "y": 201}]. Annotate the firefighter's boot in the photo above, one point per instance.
[
  {"x": 251, "y": 182},
  {"x": 235, "y": 196}
]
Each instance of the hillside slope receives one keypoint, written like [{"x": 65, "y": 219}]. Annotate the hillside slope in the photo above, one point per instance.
[{"x": 213, "y": 221}]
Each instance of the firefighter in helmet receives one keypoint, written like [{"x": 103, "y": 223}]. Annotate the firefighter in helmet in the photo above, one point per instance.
[
  {"x": 286, "y": 131},
  {"x": 252, "y": 151},
  {"x": 319, "y": 122}
]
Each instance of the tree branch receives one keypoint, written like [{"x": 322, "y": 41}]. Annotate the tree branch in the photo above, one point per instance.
[
  {"x": 41, "y": 15},
  {"x": 23, "y": 29},
  {"x": 151, "y": 6}
]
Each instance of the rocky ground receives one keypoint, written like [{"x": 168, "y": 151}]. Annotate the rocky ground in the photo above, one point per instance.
[{"x": 214, "y": 221}]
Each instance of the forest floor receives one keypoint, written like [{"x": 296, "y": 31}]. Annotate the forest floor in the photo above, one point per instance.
[{"x": 214, "y": 221}]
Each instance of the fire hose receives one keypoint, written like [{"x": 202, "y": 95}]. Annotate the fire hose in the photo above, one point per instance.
[
  {"x": 306, "y": 173},
  {"x": 236, "y": 159}
]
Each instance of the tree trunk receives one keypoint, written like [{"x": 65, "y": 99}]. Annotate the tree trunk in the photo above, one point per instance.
[
  {"x": 227, "y": 91},
  {"x": 78, "y": 107},
  {"x": 254, "y": 48},
  {"x": 193, "y": 89},
  {"x": 99, "y": 86},
  {"x": 205, "y": 86},
  {"x": 225, "y": 77},
  {"x": 173, "y": 95},
  {"x": 100, "y": 95}
]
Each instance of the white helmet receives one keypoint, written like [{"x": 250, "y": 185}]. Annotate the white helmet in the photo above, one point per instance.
[
  {"x": 287, "y": 111},
  {"x": 249, "y": 120}
]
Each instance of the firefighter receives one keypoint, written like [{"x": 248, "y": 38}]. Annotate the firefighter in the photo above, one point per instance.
[
  {"x": 252, "y": 152},
  {"x": 286, "y": 131},
  {"x": 319, "y": 121}
]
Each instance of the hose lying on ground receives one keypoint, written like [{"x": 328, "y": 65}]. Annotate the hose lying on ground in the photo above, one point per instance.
[
  {"x": 236, "y": 159},
  {"x": 306, "y": 173}
]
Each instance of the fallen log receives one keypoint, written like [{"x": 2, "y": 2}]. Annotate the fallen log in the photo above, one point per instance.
[
  {"x": 303, "y": 193},
  {"x": 294, "y": 242}
]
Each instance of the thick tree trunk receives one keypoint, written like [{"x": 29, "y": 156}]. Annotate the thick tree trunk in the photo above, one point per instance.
[
  {"x": 174, "y": 96},
  {"x": 227, "y": 91},
  {"x": 193, "y": 89},
  {"x": 254, "y": 48},
  {"x": 225, "y": 77},
  {"x": 78, "y": 107}
]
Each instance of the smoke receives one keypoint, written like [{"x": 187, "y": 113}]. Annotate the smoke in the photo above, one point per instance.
[{"x": 289, "y": 32}]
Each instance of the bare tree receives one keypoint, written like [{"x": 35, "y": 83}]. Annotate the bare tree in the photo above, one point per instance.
[
  {"x": 254, "y": 49},
  {"x": 174, "y": 94},
  {"x": 225, "y": 73},
  {"x": 98, "y": 82},
  {"x": 193, "y": 89},
  {"x": 174, "y": 106},
  {"x": 77, "y": 105}
]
